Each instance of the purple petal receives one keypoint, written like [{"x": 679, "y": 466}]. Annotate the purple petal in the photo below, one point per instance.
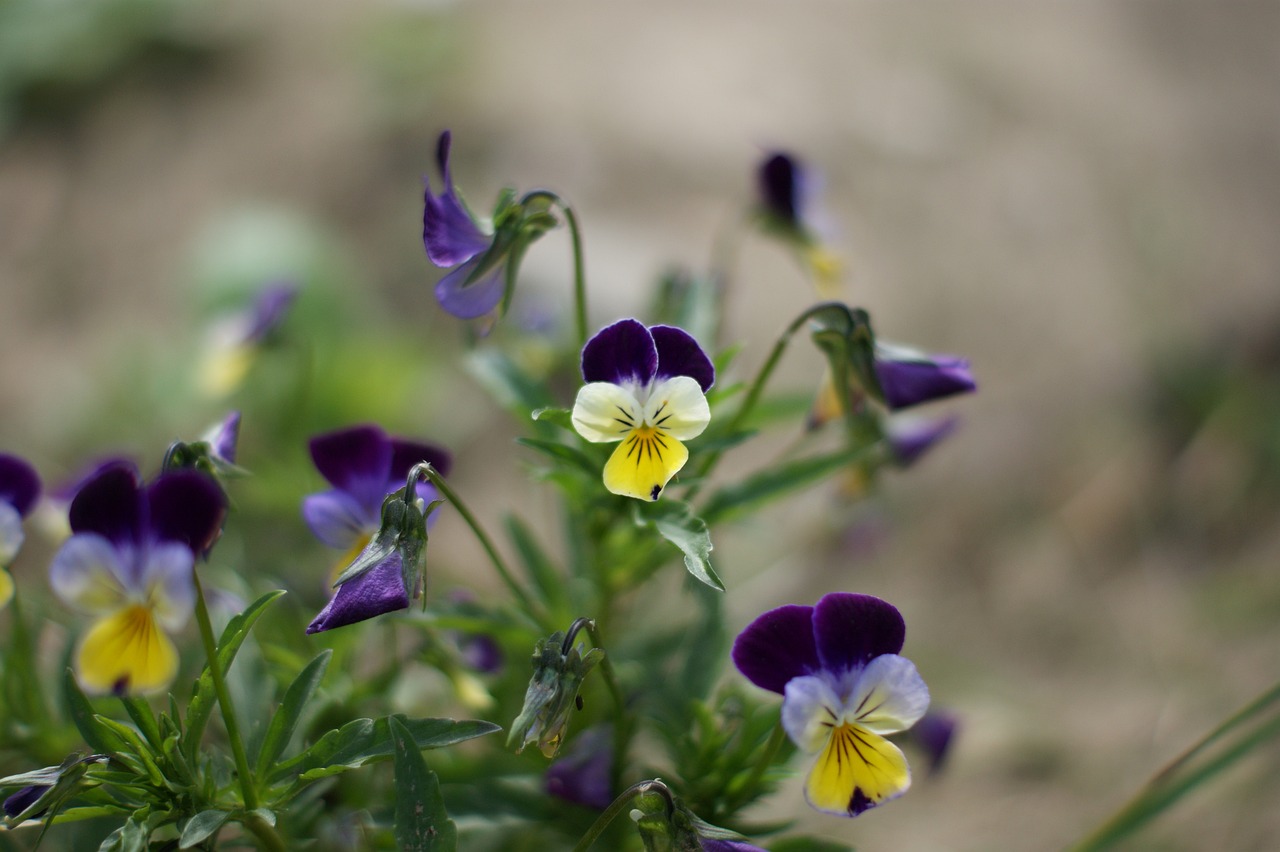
[
  {"x": 188, "y": 507},
  {"x": 620, "y": 353},
  {"x": 778, "y": 187},
  {"x": 225, "y": 438},
  {"x": 482, "y": 653},
  {"x": 377, "y": 591},
  {"x": 449, "y": 233},
  {"x": 582, "y": 775},
  {"x": 338, "y": 519},
  {"x": 110, "y": 504},
  {"x": 934, "y": 733},
  {"x": 468, "y": 301},
  {"x": 711, "y": 845},
  {"x": 357, "y": 461},
  {"x": 912, "y": 439},
  {"x": 406, "y": 453},
  {"x": 776, "y": 647},
  {"x": 908, "y": 382},
  {"x": 269, "y": 309},
  {"x": 680, "y": 355},
  {"x": 65, "y": 491},
  {"x": 24, "y": 798},
  {"x": 19, "y": 484},
  {"x": 852, "y": 629}
]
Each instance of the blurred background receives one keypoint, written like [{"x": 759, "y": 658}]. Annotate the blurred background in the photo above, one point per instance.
[{"x": 1083, "y": 199}]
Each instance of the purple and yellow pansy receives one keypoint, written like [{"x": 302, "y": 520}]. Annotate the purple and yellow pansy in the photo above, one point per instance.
[
  {"x": 129, "y": 564},
  {"x": 844, "y": 689},
  {"x": 646, "y": 390},
  {"x": 19, "y": 490}
]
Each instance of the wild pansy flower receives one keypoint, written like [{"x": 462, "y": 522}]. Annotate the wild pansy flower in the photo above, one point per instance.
[
  {"x": 129, "y": 565},
  {"x": 19, "y": 490},
  {"x": 786, "y": 202},
  {"x": 234, "y": 341},
  {"x": 910, "y": 377},
  {"x": 646, "y": 389},
  {"x": 844, "y": 688},
  {"x": 383, "y": 537},
  {"x": 583, "y": 775},
  {"x": 51, "y": 512},
  {"x": 364, "y": 465}
]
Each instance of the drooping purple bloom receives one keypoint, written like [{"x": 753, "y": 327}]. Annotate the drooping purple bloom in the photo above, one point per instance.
[
  {"x": 910, "y": 438},
  {"x": 935, "y": 734},
  {"x": 909, "y": 377},
  {"x": 376, "y": 592},
  {"x": 455, "y": 241},
  {"x": 582, "y": 775},
  {"x": 364, "y": 465},
  {"x": 18, "y": 802},
  {"x": 844, "y": 688}
]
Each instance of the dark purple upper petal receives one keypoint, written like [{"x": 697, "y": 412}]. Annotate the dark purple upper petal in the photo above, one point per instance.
[
  {"x": 850, "y": 630},
  {"x": 776, "y": 647},
  {"x": 680, "y": 355},
  {"x": 469, "y": 301},
  {"x": 379, "y": 590},
  {"x": 269, "y": 309},
  {"x": 405, "y": 453},
  {"x": 355, "y": 460},
  {"x": 449, "y": 233},
  {"x": 188, "y": 507},
  {"x": 19, "y": 483},
  {"x": 908, "y": 382},
  {"x": 111, "y": 504},
  {"x": 778, "y": 184},
  {"x": 622, "y": 352},
  {"x": 65, "y": 491}
]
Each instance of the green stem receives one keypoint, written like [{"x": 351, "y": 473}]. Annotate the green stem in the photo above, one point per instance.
[
  {"x": 622, "y": 723},
  {"x": 618, "y": 806},
  {"x": 264, "y": 832},
  {"x": 425, "y": 469},
  {"x": 579, "y": 266},
  {"x": 247, "y": 787},
  {"x": 757, "y": 388},
  {"x": 1243, "y": 715}
]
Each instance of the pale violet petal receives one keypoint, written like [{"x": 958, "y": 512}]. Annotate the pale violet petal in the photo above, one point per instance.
[
  {"x": 678, "y": 407},
  {"x": 170, "y": 590},
  {"x": 11, "y": 535},
  {"x": 888, "y": 696},
  {"x": 86, "y": 573},
  {"x": 810, "y": 711},
  {"x": 605, "y": 412}
]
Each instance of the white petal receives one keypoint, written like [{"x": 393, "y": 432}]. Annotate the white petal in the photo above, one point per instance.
[
  {"x": 678, "y": 407},
  {"x": 888, "y": 696},
  {"x": 11, "y": 535},
  {"x": 170, "y": 590},
  {"x": 810, "y": 710},
  {"x": 605, "y": 412},
  {"x": 86, "y": 574}
]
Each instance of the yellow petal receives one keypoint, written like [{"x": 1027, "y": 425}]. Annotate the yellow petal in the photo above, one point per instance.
[
  {"x": 6, "y": 588},
  {"x": 126, "y": 650},
  {"x": 347, "y": 558},
  {"x": 224, "y": 370},
  {"x": 643, "y": 463},
  {"x": 857, "y": 770}
]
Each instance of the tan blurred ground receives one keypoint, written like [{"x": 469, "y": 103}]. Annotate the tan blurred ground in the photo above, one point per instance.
[{"x": 1061, "y": 192}]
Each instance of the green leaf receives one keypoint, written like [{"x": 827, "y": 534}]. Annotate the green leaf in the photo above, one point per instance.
[
  {"x": 777, "y": 482},
  {"x": 140, "y": 712},
  {"x": 137, "y": 746},
  {"x": 550, "y": 583},
  {"x": 676, "y": 523},
  {"x": 203, "y": 697},
  {"x": 201, "y": 827},
  {"x": 506, "y": 382},
  {"x": 558, "y": 416},
  {"x": 130, "y": 837},
  {"x": 362, "y": 741},
  {"x": 565, "y": 453},
  {"x": 95, "y": 734},
  {"x": 422, "y": 825},
  {"x": 285, "y": 720}
]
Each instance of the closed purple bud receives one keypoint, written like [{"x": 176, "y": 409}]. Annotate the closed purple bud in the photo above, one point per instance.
[{"x": 24, "y": 798}]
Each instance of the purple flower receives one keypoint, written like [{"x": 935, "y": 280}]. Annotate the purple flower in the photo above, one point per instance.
[
  {"x": 785, "y": 190},
  {"x": 19, "y": 490},
  {"x": 224, "y": 438},
  {"x": 379, "y": 590},
  {"x": 454, "y": 240},
  {"x": 712, "y": 845},
  {"x": 909, "y": 377},
  {"x": 234, "y": 341},
  {"x": 646, "y": 389},
  {"x": 935, "y": 734},
  {"x": 129, "y": 565},
  {"x": 269, "y": 310},
  {"x": 583, "y": 775},
  {"x": 844, "y": 688},
  {"x": 24, "y": 798},
  {"x": 911, "y": 437}
]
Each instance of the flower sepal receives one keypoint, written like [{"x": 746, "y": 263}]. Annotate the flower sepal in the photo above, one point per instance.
[
  {"x": 559, "y": 668},
  {"x": 666, "y": 824},
  {"x": 403, "y": 532},
  {"x": 845, "y": 337}
]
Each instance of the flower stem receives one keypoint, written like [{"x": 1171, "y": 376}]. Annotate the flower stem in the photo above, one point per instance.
[
  {"x": 579, "y": 266},
  {"x": 618, "y": 806},
  {"x": 622, "y": 724},
  {"x": 757, "y": 388},
  {"x": 425, "y": 469}
]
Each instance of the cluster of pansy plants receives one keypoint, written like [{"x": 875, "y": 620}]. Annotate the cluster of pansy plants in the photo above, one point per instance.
[{"x": 594, "y": 632}]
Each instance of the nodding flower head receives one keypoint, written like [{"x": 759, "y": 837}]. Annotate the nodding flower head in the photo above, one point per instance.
[{"x": 645, "y": 391}]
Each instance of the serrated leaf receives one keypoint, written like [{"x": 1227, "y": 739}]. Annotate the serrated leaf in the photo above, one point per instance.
[
  {"x": 422, "y": 824},
  {"x": 201, "y": 827},
  {"x": 285, "y": 720},
  {"x": 364, "y": 741},
  {"x": 676, "y": 522},
  {"x": 203, "y": 698},
  {"x": 777, "y": 482}
]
